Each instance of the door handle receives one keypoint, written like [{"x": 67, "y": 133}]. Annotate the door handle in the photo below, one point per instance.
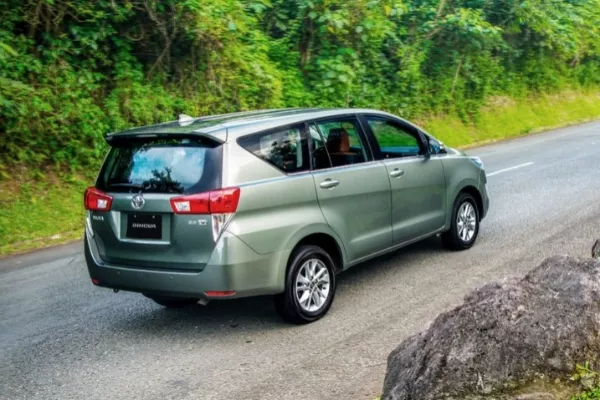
[
  {"x": 397, "y": 173},
  {"x": 329, "y": 184}
]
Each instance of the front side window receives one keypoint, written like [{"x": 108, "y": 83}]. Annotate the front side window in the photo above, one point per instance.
[
  {"x": 394, "y": 141},
  {"x": 343, "y": 145},
  {"x": 285, "y": 149}
]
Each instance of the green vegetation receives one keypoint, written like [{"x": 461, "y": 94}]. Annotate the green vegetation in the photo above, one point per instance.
[
  {"x": 468, "y": 70},
  {"x": 71, "y": 71},
  {"x": 589, "y": 379},
  {"x": 593, "y": 394},
  {"x": 506, "y": 117},
  {"x": 37, "y": 214}
]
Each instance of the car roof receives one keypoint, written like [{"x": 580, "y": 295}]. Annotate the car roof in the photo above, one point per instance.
[{"x": 236, "y": 124}]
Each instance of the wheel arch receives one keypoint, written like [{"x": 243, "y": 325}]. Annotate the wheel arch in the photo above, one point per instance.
[
  {"x": 324, "y": 237},
  {"x": 466, "y": 186},
  {"x": 474, "y": 192}
]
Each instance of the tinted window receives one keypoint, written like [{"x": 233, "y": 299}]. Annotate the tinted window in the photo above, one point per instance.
[
  {"x": 161, "y": 166},
  {"x": 394, "y": 141},
  {"x": 319, "y": 151},
  {"x": 342, "y": 142},
  {"x": 286, "y": 149}
]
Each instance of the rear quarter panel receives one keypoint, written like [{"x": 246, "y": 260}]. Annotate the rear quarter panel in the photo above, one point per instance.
[{"x": 276, "y": 211}]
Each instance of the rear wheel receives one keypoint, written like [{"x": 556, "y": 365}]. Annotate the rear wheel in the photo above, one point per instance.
[
  {"x": 309, "y": 286},
  {"x": 465, "y": 224},
  {"x": 172, "y": 302}
]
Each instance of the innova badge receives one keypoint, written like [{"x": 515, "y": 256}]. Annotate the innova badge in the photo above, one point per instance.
[{"x": 138, "y": 201}]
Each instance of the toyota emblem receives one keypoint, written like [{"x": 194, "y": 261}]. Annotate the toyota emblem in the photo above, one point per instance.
[{"x": 138, "y": 202}]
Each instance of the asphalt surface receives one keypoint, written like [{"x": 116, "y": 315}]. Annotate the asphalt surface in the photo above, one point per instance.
[{"x": 62, "y": 338}]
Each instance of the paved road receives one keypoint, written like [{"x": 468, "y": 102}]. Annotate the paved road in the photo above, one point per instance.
[{"x": 62, "y": 338}]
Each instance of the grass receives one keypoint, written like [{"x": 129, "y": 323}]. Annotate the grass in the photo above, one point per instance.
[
  {"x": 593, "y": 394},
  {"x": 40, "y": 212},
  {"x": 36, "y": 214},
  {"x": 506, "y": 118},
  {"x": 589, "y": 378}
]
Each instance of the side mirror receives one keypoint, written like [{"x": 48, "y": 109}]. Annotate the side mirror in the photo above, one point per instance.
[
  {"x": 425, "y": 144},
  {"x": 442, "y": 148},
  {"x": 436, "y": 147}
]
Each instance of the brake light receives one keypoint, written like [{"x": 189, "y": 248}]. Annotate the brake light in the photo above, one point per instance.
[
  {"x": 222, "y": 201},
  {"x": 193, "y": 204},
  {"x": 95, "y": 200}
]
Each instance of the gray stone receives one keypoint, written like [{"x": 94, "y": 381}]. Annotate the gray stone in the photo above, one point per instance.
[{"x": 504, "y": 337}]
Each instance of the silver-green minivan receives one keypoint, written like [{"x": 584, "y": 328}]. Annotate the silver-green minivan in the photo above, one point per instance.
[{"x": 272, "y": 203}]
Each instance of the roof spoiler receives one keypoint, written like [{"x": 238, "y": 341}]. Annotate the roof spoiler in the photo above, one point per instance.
[
  {"x": 218, "y": 136},
  {"x": 127, "y": 136},
  {"x": 181, "y": 128}
]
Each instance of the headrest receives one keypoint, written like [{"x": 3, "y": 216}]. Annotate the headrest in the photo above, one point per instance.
[{"x": 338, "y": 141}]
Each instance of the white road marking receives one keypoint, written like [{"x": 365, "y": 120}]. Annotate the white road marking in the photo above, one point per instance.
[{"x": 511, "y": 168}]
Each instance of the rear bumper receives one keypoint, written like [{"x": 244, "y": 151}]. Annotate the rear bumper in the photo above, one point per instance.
[{"x": 233, "y": 266}]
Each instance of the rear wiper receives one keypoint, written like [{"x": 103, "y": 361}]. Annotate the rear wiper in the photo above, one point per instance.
[{"x": 126, "y": 185}]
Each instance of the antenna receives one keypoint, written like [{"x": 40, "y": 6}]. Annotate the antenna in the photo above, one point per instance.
[{"x": 185, "y": 120}]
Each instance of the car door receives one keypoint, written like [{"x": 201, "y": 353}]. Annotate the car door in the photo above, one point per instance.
[
  {"x": 352, "y": 188},
  {"x": 417, "y": 180}
]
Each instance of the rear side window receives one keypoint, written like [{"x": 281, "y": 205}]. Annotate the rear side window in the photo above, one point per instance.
[
  {"x": 285, "y": 149},
  {"x": 162, "y": 166},
  {"x": 320, "y": 155}
]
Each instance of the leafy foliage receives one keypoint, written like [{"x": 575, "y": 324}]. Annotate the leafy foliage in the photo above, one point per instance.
[
  {"x": 593, "y": 394},
  {"x": 588, "y": 378},
  {"x": 72, "y": 70}
]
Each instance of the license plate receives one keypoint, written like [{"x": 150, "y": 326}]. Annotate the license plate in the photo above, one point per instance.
[{"x": 144, "y": 226}]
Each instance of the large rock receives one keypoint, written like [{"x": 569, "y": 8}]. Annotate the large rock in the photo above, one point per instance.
[{"x": 511, "y": 340}]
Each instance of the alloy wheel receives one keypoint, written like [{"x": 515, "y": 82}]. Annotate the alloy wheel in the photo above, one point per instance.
[
  {"x": 312, "y": 285},
  {"x": 466, "y": 222}
]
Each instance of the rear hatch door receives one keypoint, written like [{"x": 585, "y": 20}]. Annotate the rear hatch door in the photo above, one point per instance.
[{"x": 141, "y": 176}]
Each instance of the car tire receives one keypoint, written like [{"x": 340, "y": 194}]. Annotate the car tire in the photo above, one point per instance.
[
  {"x": 464, "y": 228},
  {"x": 309, "y": 286},
  {"x": 172, "y": 302}
]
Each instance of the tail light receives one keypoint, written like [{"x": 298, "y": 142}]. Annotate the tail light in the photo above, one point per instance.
[
  {"x": 95, "y": 200},
  {"x": 222, "y": 201},
  {"x": 193, "y": 204},
  {"x": 221, "y": 204}
]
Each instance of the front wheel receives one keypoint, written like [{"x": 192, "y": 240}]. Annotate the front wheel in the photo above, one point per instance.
[
  {"x": 309, "y": 286},
  {"x": 172, "y": 302},
  {"x": 465, "y": 224}
]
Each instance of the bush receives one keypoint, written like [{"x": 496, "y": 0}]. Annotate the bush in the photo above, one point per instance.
[{"x": 71, "y": 71}]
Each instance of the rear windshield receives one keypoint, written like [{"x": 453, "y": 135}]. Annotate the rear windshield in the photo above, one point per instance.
[{"x": 162, "y": 166}]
